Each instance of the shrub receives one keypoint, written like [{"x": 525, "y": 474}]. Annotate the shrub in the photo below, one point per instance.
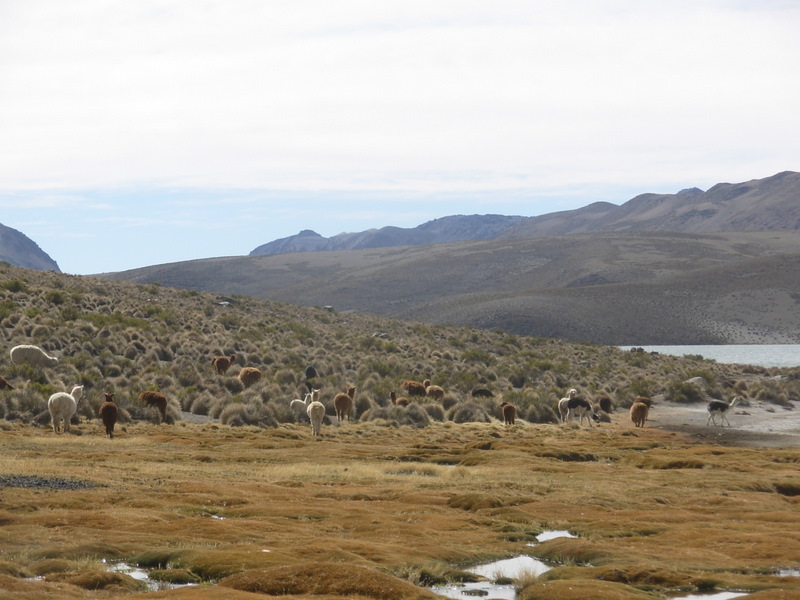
[
  {"x": 434, "y": 411},
  {"x": 361, "y": 405},
  {"x": 416, "y": 416},
  {"x": 683, "y": 392},
  {"x": 469, "y": 412},
  {"x": 641, "y": 387},
  {"x": 55, "y": 297},
  {"x": 15, "y": 286}
]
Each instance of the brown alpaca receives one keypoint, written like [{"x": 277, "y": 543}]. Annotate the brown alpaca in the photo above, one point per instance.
[
  {"x": 413, "y": 388},
  {"x": 401, "y": 401},
  {"x": 343, "y": 403},
  {"x": 4, "y": 385},
  {"x": 639, "y": 412},
  {"x": 509, "y": 413},
  {"x": 433, "y": 391},
  {"x": 156, "y": 399},
  {"x": 108, "y": 414},
  {"x": 249, "y": 376},
  {"x": 605, "y": 404},
  {"x": 223, "y": 363}
]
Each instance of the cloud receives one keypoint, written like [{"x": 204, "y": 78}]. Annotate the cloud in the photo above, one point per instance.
[{"x": 392, "y": 96}]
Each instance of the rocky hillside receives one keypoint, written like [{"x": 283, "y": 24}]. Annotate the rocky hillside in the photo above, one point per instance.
[{"x": 19, "y": 250}]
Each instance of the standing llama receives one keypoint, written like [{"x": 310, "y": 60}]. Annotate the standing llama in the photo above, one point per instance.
[
  {"x": 223, "y": 363},
  {"x": 720, "y": 408},
  {"x": 639, "y": 412},
  {"x": 316, "y": 412},
  {"x": 509, "y": 413},
  {"x": 563, "y": 409},
  {"x": 108, "y": 414},
  {"x": 343, "y": 403},
  {"x": 62, "y": 406}
]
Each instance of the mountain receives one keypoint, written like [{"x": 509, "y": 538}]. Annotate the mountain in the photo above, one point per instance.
[
  {"x": 456, "y": 228},
  {"x": 19, "y": 250},
  {"x": 608, "y": 274},
  {"x": 760, "y": 204},
  {"x": 768, "y": 204}
]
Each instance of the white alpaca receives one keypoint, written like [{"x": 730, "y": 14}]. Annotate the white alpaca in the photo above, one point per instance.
[
  {"x": 563, "y": 409},
  {"x": 719, "y": 408},
  {"x": 33, "y": 355},
  {"x": 62, "y": 406},
  {"x": 316, "y": 412}
]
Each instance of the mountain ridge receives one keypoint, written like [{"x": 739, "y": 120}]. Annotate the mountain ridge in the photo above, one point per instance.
[
  {"x": 758, "y": 204},
  {"x": 453, "y": 228}
]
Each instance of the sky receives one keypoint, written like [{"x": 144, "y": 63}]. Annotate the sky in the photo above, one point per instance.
[{"x": 135, "y": 133}]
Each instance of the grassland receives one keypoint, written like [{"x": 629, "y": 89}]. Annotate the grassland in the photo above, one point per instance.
[{"x": 235, "y": 496}]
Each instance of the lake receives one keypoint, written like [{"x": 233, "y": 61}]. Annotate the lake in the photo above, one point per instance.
[{"x": 763, "y": 355}]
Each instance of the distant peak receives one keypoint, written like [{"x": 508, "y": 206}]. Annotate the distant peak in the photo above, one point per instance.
[
  {"x": 690, "y": 191},
  {"x": 308, "y": 233}
]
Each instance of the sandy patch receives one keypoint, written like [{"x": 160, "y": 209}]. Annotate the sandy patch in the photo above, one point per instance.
[{"x": 758, "y": 424}]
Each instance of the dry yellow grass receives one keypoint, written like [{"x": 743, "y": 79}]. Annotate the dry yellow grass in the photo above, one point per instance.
[{"x": 369, "y": 509}]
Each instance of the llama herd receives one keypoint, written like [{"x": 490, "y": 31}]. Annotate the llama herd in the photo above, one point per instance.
[{"x": 62, "y": 406}]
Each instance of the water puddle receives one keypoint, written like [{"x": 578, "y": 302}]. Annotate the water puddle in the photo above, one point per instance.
[
  {"x": 131, "y": 571},
  {"x": 789, "y": 572},
  {"x": 140, "y": 574},
  {"x": 717, "y": 596},
  {"x": 551, "y": 535},
  {"x": 509, "y": 568}
]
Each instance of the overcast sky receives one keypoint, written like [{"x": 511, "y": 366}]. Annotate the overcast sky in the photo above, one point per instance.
[{"x": 139, "y": 132}]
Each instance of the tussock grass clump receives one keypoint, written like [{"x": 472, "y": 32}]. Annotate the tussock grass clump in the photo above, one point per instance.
[
  {"x": 326, "y": 579},
  {"x": 475, "y": 502},
  {"x": 100, "y": 580},
  {"x": 581, "y": 590},
  {"x": 469, "y": 412}
]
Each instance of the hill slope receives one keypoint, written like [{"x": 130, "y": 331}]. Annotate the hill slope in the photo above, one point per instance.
[{"x": 613, "y": 288}]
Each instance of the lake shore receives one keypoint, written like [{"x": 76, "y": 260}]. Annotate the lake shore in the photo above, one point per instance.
[{"x": 756, "y": 425}]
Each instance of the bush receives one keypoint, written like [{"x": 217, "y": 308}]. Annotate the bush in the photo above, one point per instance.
[
  {"x": 434, "y": 411},
  {"x": 683, "y": 392},
  {"x": 469, "y": 412}
]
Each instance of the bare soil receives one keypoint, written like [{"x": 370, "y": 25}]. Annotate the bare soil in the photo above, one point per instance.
[{"x": 757, "y": 425}]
